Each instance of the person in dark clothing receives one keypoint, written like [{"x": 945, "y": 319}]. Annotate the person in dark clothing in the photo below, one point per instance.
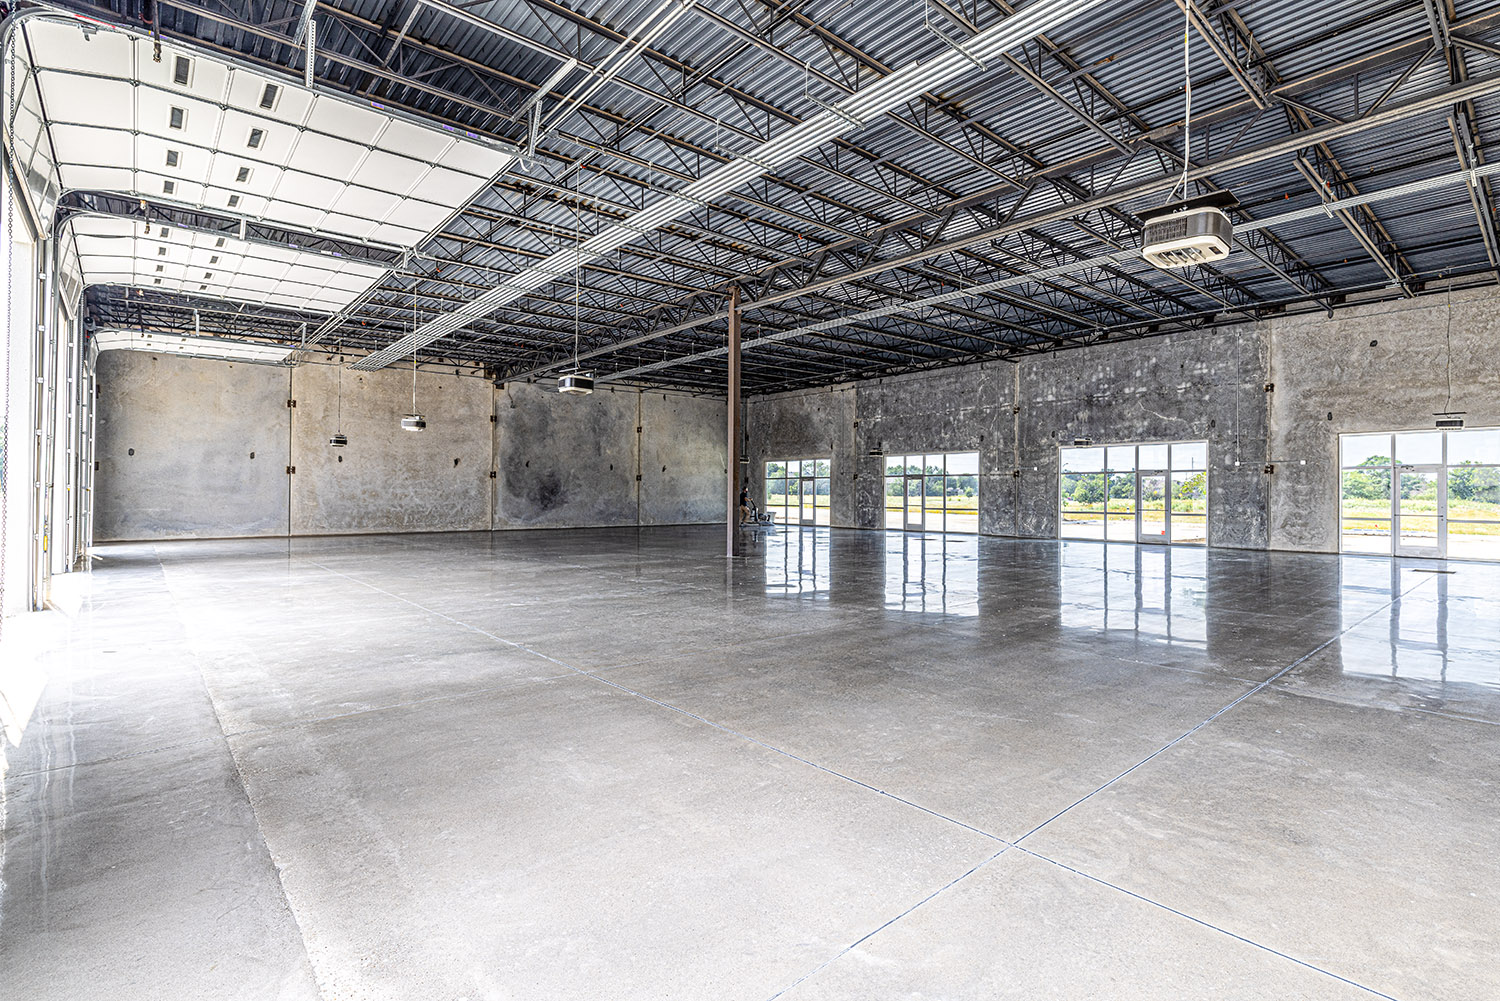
[{"x": 744, "y": 504}]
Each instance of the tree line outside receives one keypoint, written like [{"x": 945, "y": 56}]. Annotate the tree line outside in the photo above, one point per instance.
[
  {"x": 958, "y": 493},
  {"x": 1098, "y": 493},
  {"x": 781, "y": 492},
  {"x": 1473, "y": 495},
  {"x": 1473, "y": 492}
]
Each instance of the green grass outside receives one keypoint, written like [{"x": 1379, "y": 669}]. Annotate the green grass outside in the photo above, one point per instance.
[
  {"x": 1126, "y": 505},
  {"x": 934, "y": 505},
  {"x": 780, "y": 500},
  {"x": 1359, "y": 512}
]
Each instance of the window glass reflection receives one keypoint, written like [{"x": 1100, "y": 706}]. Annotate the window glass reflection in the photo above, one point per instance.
[
  {"x": 1439, "y": 497},
  {"x": 1159, "y": 594},
  {"x": 1420, "y": 448},
  {"x": 1443, "y": 631},
  {"x": 932, "y": 573},
  {"x": 797, "y": 563},
  {"x": 1152, "y": 457}
]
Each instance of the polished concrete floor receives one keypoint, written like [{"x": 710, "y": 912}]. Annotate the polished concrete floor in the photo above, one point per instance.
[{"x": 608, "y": 765}]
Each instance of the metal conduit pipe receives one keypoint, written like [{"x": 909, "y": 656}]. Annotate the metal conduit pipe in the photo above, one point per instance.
[
  {"x": 1119, "y": 256},
  {"x": 842, "y": 117}
]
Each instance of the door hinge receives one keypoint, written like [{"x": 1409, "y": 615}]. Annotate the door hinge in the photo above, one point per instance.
[
  {"x": 492, "y": 474},
  {"x": 494, "y": 419},
  {"x": 291, "y": 403},
  {"x": 290, "y": 470},
  {"x": 638, "y": 477}
]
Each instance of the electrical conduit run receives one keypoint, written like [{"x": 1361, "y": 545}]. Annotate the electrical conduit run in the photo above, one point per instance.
[{"x": 844, "y": 116}]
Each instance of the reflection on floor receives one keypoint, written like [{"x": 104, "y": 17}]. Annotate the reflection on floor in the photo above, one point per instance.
[{"x": 612, "y": 764}]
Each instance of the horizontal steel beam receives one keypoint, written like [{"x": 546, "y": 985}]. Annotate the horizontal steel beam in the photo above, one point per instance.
[{"x": 1118, "y": 257}]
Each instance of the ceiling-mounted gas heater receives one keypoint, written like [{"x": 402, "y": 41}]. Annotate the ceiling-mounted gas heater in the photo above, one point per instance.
[
  {"x": 1189, "y": 232},
  {"x": 574, "y": 382},
  {"x": 1196, "y": 230}
]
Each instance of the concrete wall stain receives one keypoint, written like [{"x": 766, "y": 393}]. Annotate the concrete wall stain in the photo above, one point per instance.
[
  {"x": 558, "y": 461},
  {"x": 566, "y": 462}
]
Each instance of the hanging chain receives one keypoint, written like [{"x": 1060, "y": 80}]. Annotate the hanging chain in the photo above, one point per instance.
[
  {"x": 1187, "y": 89},
  {"x": 414, "y": 350},
  {"x": 340, "y": 364},
  {"x": 10, "y": 290},
  {"x": 577, "y": 259},
  {"x": 1448, "y": 349}
]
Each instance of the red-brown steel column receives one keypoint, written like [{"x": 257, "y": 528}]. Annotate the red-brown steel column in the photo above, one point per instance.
[{"x": 732, "y": 454}]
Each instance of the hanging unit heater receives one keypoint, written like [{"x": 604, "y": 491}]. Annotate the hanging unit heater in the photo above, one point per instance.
[
  {"x": 1196, "y": 231},
  {"x": 576, "y": 383}
]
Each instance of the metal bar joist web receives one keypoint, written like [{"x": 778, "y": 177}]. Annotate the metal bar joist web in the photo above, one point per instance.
[
  {"x": 842, "y": 117},
  {"x": 1118, "y": 257}
]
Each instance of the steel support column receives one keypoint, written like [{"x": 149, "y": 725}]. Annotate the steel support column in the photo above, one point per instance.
[{"x": 732, "y": 453}]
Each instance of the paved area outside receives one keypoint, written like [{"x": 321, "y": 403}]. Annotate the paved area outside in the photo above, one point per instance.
[{"x": 607, "y": 764}]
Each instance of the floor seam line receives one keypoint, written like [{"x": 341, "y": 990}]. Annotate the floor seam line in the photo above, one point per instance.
[
  {"x": 1330, "y": 699},
  {"x": 126, "y": 756},
  {"x": 683, "y": 712},
  {"x": 239, "y": 779},
  {"x": 1257, "y": 689},
  {"x": 1200, "y": 921},
  {"x": 876, "y": 931},
  {"x": 1006, "y": 845}
]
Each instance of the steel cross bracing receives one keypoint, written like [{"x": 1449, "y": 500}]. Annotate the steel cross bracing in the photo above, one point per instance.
[
  {"x": 1463, "y": 123},
  {"x": 1255, "y": 72},
  {"x": 1139, "y": 190},
  {"x": 866, "y": 221},
  {"x": 803, "y": 219},
  {"x": 1265, "y": 246},
  {"x": 747, "y": 166}
]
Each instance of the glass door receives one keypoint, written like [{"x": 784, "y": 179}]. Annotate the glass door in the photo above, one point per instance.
[
  {"x": 1151, "y": 506},
  {"x": 792, "y": 513},
  {"x": 809, "y": 494},
  {"x": 915, "y": 506},
  {"x": 1420, "y": 489},
  {"x": 1420, "y": 528}
]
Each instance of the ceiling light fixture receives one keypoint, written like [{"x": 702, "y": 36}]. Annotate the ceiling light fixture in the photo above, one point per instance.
[{"x": 413, "y": 421}]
